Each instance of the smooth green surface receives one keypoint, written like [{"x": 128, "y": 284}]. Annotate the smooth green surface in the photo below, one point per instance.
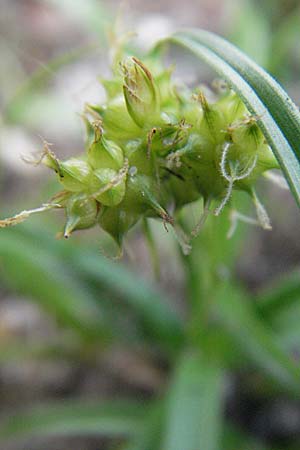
[
  {"x": 33, "y": 271},
  {"x": 78, "y": 284},
  {"x": 154, "y": 310},
  {"x": 149, "y": 435},
  {"x": 78, "y": 418},
  {"x": 194, "y": 406},
  {"x": 256, "y": 339}
]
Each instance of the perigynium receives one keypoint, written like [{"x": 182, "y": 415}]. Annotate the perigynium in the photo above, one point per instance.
[{"x": 154, "y": 147}]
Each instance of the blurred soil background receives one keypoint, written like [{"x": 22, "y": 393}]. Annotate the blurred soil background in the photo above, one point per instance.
[{"x": 32, "y": 34}]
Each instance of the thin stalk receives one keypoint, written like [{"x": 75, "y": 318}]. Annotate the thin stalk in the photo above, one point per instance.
[{"x": 152, "y": 249}]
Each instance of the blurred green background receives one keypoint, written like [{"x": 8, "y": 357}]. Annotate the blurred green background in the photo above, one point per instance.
[{"x": 101, "y": 354}]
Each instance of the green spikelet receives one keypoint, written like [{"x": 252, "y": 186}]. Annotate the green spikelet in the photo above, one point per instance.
[
  {"x": 140, "y": 92},
  {"x": 103, "y": 152},
  {"x": 81, "y": 212},
  {"x": 154, "y": 146}
]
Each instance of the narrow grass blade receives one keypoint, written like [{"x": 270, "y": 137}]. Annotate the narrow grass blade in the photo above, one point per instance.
[
  {"x": 273, "y": 96},
  {"x": 233, "y": 438},
  {"x": 111, "y": 419},
  {"x": 154, "y": 309},
  {"x": 278, "y": 116},
  {"x": 280, "y": 307},
  {"x": 149, "y": 436},
  {"x": 255, "y": 339},
  {"x": 30, "y": 269},
  {"x": 286, "y": 324},
  {"x": 193, "y": 411},
  {"x": 285, "y": 292}
]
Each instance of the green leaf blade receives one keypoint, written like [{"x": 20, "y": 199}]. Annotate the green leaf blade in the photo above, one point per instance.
[
  {"x": 32, "y": 271},
  {"x": 256, "y": 339},
  {"x": 153, "y": 308},
  {"x": 194, "y": 406},
  {"x": 279, "y": 118},
  {"x": 112, "y": 419},
  {"x": 265, "y": 86},
  {"x": 282, "y": 294},
  {"x": 148, "y": 437}
]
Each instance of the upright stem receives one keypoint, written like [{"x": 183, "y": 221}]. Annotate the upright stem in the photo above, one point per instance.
[{"x": 207, "y": 266}]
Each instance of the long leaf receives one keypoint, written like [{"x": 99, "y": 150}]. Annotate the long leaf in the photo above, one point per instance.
[
  {"x": 279, "y": 306},
  {"x": 31, "y": 270},
  {"x": 278, "y": 116},
  {"x": 121, "y": 419},
  {"x": 285, "y": 292},
  {"x": 255, "y": 338},
  {"x": 194, "y": 406},
  {"x": 233, "y": 438},
  {"x": 152, "y": 308},
  {"x": 149, "y": 436}
]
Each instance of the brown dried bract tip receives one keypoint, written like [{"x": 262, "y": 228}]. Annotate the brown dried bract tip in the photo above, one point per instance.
[
  {"x": 149, "y": 141},
  {"x": 200, "y": 97},
  {"x": 37, "y": 160},
  {"x": 15, "y": 220},
  {"x": 18, "y": 218},
  {"x": 249, "y": 119},
  {"x": 144, "y": 68},
  {"x": 98, "y": 129},
  {"x": 89, "y": 109},
  {"x": 180, "y": 134},
  {"x": 166, "y": 218},
  {"x": 59, "y": 196}
]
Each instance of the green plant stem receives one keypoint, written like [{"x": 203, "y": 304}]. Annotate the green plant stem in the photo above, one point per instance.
[
  {"x": 201, "y": 280},
  {"x": 152, "y": 248}
]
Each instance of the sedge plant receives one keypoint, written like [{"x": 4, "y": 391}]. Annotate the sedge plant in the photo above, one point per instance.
[{"x": 151, "y": 150}]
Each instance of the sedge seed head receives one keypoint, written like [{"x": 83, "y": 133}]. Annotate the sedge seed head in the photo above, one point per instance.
[{"x": 153, "y": 145}]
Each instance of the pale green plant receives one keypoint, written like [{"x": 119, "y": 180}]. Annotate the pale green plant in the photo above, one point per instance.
[{"x": 151, "y": 150}]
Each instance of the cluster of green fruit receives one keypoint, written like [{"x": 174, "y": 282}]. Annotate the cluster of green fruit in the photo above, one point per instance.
[{"x": 153, "y": 148}]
